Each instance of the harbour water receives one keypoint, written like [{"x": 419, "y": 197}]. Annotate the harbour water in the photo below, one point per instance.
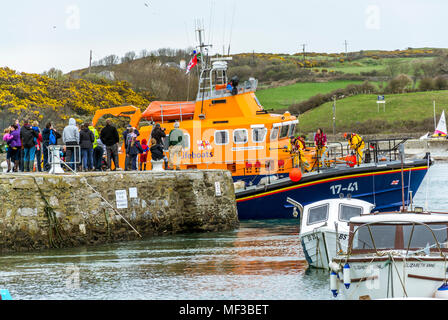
[{"x": 261, "y": 260}]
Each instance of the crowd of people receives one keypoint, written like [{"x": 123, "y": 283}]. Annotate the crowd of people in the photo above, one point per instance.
[{"x": 86, "y": 149}]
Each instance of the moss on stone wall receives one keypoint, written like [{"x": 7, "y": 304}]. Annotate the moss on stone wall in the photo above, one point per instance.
[{"x": 51, "y": 211}]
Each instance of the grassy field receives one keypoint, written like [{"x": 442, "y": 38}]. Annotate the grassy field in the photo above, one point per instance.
[
  {"x": 283, "y": 97},
  {"x": 380, "y": 65},
  {"x": 357, "y": 109}
]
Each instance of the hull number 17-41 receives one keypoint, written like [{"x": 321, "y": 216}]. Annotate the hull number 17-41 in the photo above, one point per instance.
[{"x": 338, "y": 188}]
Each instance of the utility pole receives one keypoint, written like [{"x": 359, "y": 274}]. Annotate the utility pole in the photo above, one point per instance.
[
  {"x": 304, "y": 53},
  {"x": 90, "y": 61},
  {"x": 346, "y": 45},
  {"x": 334, "y": 116}
]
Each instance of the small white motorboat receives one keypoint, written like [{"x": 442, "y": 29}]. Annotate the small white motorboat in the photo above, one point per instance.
[
  {"x": 324, "y": 227},
  {"x": 393, "y": 255}
]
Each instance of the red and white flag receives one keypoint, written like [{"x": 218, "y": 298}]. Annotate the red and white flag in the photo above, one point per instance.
[{"x": 193, "y": 63}]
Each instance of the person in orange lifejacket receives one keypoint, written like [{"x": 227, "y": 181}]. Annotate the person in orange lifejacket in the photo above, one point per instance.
[
  {"x": 296, "y": 147},
  {"x": 300, "y": 143},
  {"x": 356, "y": 144}
]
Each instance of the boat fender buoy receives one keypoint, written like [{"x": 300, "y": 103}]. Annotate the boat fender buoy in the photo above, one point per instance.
[
  {"x": 347, "y": 278},
  {"x": 442, "y": 292},
  {"x": 334, "y": 283},
  {"x": 5, "y": 295},
  {"x": 295, "y": 175}
]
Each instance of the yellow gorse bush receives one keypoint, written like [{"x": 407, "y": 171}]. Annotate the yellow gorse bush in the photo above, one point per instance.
[{"x": 33, "y": 95}]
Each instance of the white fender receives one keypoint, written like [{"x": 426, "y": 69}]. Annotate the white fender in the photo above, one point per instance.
[
  {"x": 347, "y": 277},
  {"x": 334, "y": 283}
]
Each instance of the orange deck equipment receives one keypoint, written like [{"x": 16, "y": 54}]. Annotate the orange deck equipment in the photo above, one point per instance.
[{"x": 169, "y": 110}]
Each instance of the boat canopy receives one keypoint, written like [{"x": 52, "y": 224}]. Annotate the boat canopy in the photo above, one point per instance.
[
  {"x": 400, "y": 218},
  {"x": 169, "y": 110}
]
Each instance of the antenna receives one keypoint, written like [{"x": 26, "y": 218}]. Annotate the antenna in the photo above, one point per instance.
[
  {"x": 201, "y": 46},
  {"x": 231, "y": 27}
]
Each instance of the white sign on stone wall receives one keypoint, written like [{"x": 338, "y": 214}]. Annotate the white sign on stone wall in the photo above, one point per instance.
[
  {"x": 121, "y": 199},
  {"x": 218, "y": 192},
  {"x": 132, "y": 192}
]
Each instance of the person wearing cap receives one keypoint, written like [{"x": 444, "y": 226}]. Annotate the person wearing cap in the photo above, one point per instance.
[
  {"x": 356, "y": 144},
  {"x": 176, "y": 140}
]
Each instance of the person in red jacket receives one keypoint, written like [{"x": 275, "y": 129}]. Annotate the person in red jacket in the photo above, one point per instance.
[
  {"x": 144, "y": 155},
  {"x": 320, "y": 141}
]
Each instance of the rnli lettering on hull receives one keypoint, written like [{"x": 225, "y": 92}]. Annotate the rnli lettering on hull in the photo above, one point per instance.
[{"x": 197, "y": 155}]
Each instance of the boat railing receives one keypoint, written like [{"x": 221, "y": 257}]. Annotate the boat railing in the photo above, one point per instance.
[
  {"x": 375, "y": 151},
  {"x": 181, "y": 114},
  {"x": 207, "y": 93},
  {"x": 384, "y": 149}
]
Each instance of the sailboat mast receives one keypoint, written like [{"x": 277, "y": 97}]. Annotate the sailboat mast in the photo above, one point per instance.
[{"x": 435, "y": 125}]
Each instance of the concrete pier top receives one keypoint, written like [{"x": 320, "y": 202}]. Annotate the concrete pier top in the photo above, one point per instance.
[
  {"x": 418, "y": 148},
  {"x": 40, "y": 210}
]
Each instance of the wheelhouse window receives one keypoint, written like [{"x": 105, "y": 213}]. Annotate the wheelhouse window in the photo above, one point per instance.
[
  {"x": 274, "y": 133},
  {"x": 221, "y": 137},
  {"x": 284, "y": 131},
  {"x": 318, "y": 214},
  {"x": 422, "y": 236},
  {"x": 292, "y": 129},
  {"x": 347, "y": 212},
  {"x": 383, "y": 235},
  {"x": 240, "y": 136},
  {"x": 259, "y": 134}
]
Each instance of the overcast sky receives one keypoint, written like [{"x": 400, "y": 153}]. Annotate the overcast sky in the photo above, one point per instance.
[{"x": 38, "y": 35}]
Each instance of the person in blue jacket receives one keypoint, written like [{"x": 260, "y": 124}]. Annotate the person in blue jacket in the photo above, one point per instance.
[{"x": 133, "y": 150}]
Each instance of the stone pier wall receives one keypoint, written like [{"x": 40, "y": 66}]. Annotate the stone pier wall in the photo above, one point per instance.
[{"x": 41, "y": 211}]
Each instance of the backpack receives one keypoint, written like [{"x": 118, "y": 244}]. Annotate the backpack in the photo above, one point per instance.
[{"x": 52, "y": 138}]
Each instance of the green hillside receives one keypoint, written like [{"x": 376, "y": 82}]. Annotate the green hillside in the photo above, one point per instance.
[
  {"x": 406, "y": 112},
  {"x": 283, "y": 97}
]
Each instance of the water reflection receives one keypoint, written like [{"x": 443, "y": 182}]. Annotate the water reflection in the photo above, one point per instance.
[{"x": 260, "y": 260}]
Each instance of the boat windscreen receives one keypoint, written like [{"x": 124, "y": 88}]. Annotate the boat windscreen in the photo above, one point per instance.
[
  {"x": 284, "y": 131},
  {"x": 383, "y": 235},
  {"x": 423, "y": 237}
]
